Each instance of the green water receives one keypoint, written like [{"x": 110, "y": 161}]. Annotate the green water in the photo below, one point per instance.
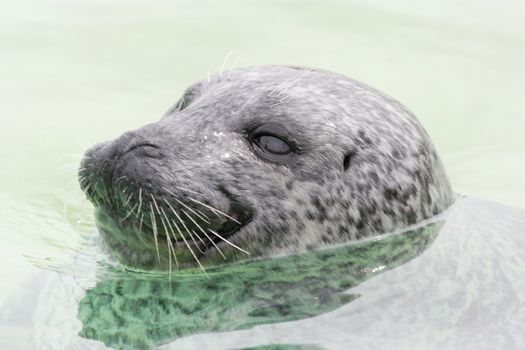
[
  {"x": 238, "y": 296},
  {"x": 74, "y": 73}
]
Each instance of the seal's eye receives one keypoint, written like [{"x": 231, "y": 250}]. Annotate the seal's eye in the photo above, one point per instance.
[{"x": 272, "y": 144}]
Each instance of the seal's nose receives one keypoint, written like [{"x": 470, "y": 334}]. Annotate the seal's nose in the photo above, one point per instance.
[
  {"x": 104, "y": 165},
  {"x": 96, "y": 170}
]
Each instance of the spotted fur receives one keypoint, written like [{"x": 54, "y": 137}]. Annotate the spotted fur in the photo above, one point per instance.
[{"x": 365, "y": 165}]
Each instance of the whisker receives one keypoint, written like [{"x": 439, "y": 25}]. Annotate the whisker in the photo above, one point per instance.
[
  {"x": 233, "y": 65},
  {"x": 205, "y": 219},
  {"x": 280, "y": 85},
  {"x": 126, "y": 202},
  {"x": 182, "y": 235},
  {"x": 140, "y": 200},
  {"x": 120, "y": 179},
  {"x": 209, "y": 238},
  {"x": 169, "y": 260},
  {"x": 186, "y": 190},
  {"x": 128, "y": 214},
  {"x": 187, "y": 245},
  {"x": 76, "y": 155},
  {"x": 194, "y": 241},
  {"x": 278, "y": 103},
  {"x": 72, "y": 166},
  {"x": 224, "y": 62},
  {"x": 168, "y": 235},
  {"x": 141, "y": 221},
  {"x": 155, "y": 204},
  {"x": 82, "y": 146},
  {"x": 69, "y": 171},
  {"x": 299, "y": 77},
  {"x": 120, "y": 194},
  {"x": 191, "y": 235},
  {"x": 87, "y": 187},
  {"x": 169, "y": 252},
  {"x": 230, "y": 243},
  {"x": 203, "y": 214},
  {"x": 155, "y": 233},
  {"x": 187, "y": 207},
  {"x": 199, "y": 237},
  {"x": 214, "y": 210}
]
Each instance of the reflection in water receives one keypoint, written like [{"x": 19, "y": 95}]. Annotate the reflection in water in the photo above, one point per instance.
[{"x": 135, "y": 310}]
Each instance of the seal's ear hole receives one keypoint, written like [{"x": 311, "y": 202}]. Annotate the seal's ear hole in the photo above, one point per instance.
[{"x": 346, "y": 160}]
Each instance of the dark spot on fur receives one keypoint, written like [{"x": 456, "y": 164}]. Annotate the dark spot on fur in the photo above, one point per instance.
[
  {"x": 350, "y": 219},
  {"x": 310, "y": 247},
  {"x": 378, "y": 224},
  {"x": 326, "y": 238},
  {"x": 388, "y": 211},
  {"x": 300, "y": 225},
  {"x": 346, "y": 160},
  {"x": 398, "y": 153},
  {"x": 321, "y": 214},
  {"x": 390, "y": 194},
  {"x": 310, "y": 215},
  {"x": 411, "y": 217}
]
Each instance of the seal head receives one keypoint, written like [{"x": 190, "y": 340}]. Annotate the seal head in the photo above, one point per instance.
[{"x": 268, "y": 161}]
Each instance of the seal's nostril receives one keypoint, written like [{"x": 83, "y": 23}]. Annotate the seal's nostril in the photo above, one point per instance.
[
  {"x": 142, "y": 150},
  {"x": 132, "y": 147}
]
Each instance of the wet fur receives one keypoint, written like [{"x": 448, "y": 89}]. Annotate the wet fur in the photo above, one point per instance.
[{"x": 366, "y": 166}]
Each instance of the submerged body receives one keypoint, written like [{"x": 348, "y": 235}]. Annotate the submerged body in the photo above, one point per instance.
[
  {"x": 263, "y": 161},
  {"x": 459, "y": 288}
]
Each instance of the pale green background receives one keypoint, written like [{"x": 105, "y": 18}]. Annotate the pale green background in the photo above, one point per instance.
[{"x": 79, "y": 72}]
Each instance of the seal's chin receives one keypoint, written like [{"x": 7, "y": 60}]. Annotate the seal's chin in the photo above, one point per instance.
[{"x": 186, "y": 236}]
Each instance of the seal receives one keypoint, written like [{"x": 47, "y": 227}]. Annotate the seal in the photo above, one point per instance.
[{"x": 263, "y": 161}]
